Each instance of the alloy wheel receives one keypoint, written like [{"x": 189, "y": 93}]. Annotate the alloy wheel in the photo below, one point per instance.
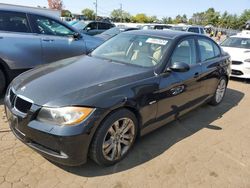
[
  {"x": 118, "y": 139},
  {"x": 220, "y": 90}
]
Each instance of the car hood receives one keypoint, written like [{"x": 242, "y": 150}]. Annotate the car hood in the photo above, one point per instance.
[
  {"x": 74, "y": 81},
  {"x": 237, "y": 54}
]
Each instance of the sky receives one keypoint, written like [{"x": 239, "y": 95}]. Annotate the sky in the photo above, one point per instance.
[{"x": 159, "y": 8}]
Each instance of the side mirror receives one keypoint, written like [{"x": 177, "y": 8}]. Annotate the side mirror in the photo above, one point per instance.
[
  {"x": 179, "y": 67},
  {"x": 88, "y": 29},
  {"x": 77, "y": 36}
]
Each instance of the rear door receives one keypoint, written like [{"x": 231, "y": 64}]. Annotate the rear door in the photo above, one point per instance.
[
  {"x": 211, "y": 61},
  {"x": 56, "y": 39},
  {"x": 180, "y": 91},
  {"x": 19, "y": 47}
]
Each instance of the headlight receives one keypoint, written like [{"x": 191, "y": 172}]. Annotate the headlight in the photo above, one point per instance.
[
  {"x": 247, "y": 60},
  {"x": 64, "y": 115}
]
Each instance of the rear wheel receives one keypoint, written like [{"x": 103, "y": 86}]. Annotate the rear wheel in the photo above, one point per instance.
[
  {"x": 2, "y": 82},
  {"x": 220, "y": 92},
  {"x": 114, "y": 138}
]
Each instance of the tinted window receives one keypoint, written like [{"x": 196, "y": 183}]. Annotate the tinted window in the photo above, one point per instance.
[
  {"x": 47, "y": 26},
  {"x": 158, "y": 27},
  {"x": 202, "y": 31},
  {"x": 92, "y": 26},
  {"x": 185, "y": 52},
  {"x": 14, "y": 22},
  {"x": 194, "y": 30},
  {"x": 103, "y": 26},
  {"x": 207, "y": 49}
]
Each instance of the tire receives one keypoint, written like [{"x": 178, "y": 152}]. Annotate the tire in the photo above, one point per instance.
[
  {"x": 2, "y": 82},
  {"x": 114, "y": 138},
  {"x": 219, "y": 92}
]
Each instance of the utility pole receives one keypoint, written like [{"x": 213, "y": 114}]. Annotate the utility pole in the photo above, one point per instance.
[
  {"x": 95, "y": 9},
  {"x": 121, "y": 12}
]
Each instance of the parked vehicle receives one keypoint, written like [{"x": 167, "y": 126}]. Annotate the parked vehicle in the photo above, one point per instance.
[
  {"x": 238, "y": 46},
  {"x": 193, "y": 29},
  {"x": 92, "y": 27},
  {"x": 114, "y": 31},
  {"x": 31, "y": 38},
  {"x": 130, "y": 85},
  {"x": 156, "y": 26}
]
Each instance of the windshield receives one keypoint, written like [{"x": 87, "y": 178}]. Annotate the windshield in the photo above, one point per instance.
[
  {"x": 80, "y": 25},
  {"x": 236, "y": 42},
  {"x": 112, "y": 31},
  {"x": 140, "y": 50}
]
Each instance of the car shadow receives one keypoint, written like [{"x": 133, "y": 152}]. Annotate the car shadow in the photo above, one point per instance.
[
  {"x": 243, "y": 80},
  {"x": 157, "y": 142}
]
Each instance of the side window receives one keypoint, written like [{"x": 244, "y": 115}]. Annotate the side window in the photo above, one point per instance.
[
  {"x": 13, "y": 22},
  {"x": 158, "y": 27},
  {"x": 207, "y": 49},
  {"x": 47, "y": 26},
  {"x": 92, "y": 26},
  {"x": 202, "y": 31},
  {"x": 185, "y": 52},
  {"x": 193, "y": 30},
  {"x": 216, "y": 50},
  {"x": 103, "y": 26}
]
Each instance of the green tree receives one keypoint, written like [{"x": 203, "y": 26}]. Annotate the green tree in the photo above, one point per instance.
[
  {"x": 141, "y": 18},
  {"x": 66, "y": 13},
  {"x": 153, "y": 19},
  {"x": 198, "y": 18},
  {"x": 178, "y": 19},
  {"x": 167, "y": 20},
  {"x": 244, "y": 17},
  {"x": 89, "y": 14},
  {"x": 211, "y": 17},
  {"x": 119, "y": 15}
]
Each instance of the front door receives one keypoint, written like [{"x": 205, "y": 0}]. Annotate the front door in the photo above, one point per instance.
[
  {"x": 20, "y": 48},
  {"x": 180, "y": 91},
  {"x": 56, "y": 39}
]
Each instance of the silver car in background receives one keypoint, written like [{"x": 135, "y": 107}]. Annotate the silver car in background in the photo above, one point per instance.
[{"x": 29, "y": 38}]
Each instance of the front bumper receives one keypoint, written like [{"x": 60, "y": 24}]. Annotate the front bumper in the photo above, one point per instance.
[
  {"x": 65, "y": 145},
  {"x": 241, "y": 71}
]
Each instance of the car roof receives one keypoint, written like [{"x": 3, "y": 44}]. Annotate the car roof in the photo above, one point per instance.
[
  {"x": 29, "y": 10},
  {"x": 170, "y": 34}
]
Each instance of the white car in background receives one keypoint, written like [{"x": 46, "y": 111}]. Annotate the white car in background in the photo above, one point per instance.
[{"x": 238, "y": 46}]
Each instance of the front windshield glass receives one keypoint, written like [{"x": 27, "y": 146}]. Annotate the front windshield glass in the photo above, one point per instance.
[
  {"x": 237, "y": 42},
  {"x": 140, "y": 50},
  {"x": 112, "y": 31},
  {"x": 79, "y": 25}
]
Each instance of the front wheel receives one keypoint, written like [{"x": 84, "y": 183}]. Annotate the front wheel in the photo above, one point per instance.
[
  {"x": 220, "y": 92},
  {"x": 115, "y": 137}
]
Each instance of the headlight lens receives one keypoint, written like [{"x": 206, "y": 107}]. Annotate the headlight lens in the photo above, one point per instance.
[
  {"x": 247, "y": 60},
  {"x": 64, "y": 115}
]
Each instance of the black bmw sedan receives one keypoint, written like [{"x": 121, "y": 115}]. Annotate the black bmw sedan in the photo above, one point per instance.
[{"x": 97, "y": 105}]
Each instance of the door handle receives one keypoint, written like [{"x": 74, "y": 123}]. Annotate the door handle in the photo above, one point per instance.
[
  {"x": 196, "y": 75},
  {"x": 48, "y": 40}
]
